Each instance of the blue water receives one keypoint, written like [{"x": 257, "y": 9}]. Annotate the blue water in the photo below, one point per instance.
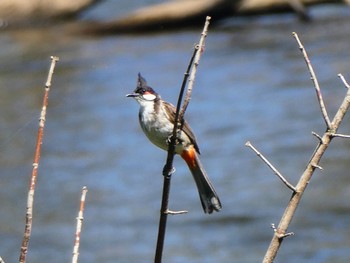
[{"x": 252, "y": 84}]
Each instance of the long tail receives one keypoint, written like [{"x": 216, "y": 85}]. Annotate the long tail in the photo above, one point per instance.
[{"x": 209, "y": 198}]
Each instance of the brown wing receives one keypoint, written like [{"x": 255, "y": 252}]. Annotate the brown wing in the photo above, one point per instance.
[{"x": 171, "y": 111}]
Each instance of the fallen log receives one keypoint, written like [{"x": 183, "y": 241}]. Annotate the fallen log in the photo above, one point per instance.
[
  {"x": 188, "y": 13},
  {"x": 24, "y": 11}
]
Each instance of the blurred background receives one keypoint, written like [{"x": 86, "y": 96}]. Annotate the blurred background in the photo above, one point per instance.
[{"x": 252, "y": 84}]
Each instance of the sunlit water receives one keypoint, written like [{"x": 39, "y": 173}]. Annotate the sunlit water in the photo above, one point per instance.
[{"x": 252, "y": 84}]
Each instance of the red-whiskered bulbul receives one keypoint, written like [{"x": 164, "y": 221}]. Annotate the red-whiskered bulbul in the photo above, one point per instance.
[{"x": 157, "y": 118}]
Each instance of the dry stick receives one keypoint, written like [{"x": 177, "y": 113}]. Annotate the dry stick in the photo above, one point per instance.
[
  {"x": 346, "y": 84},
  {"x": 30, "y": 200},
  {"x": 280, "y": 231},
  {"x": 279, "y": 175},
  {"x": 168, "y": 168},
  {"x": 167, "y": 172},
  {"x": 200, "y": 48},
  {"x": 80, "y": 219},
  {"x": 315, "y": 81}
]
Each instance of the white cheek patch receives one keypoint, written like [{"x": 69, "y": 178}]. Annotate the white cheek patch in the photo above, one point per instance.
[{"x": 149, "y": 96}]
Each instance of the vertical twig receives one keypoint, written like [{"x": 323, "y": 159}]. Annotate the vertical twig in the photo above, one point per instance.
[
  {"x": 315, "y": 81},
  {"x": 197, "y": 58},
  {"x": 168, "y": 168},
  {"x": 80, "y": 219},
  {"x": 30, "y": 200}
]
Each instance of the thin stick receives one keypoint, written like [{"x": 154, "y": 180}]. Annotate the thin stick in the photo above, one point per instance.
[
  {"x": 197, "y": 58},
  {"x": 168, "y": 168},
  {"x": 167, "y": 172},
  {"x": 317, "y": 136},
  {"x": 305, "y": 179},
  {"x": 80, "y": 219},
  {"x": 315, "y": 81},
  {"x": 341, "y": 135},
  {"x": 30, "y": 200},
  {"x": 279, "y": 175},
  {"x": 344, "y": 81}
]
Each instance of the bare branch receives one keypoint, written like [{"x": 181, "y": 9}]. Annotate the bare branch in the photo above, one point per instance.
[
  {"x": 30, "y": 200},
  {"x": 315, "y": 81},
  {"x": 339, "y": 116},
  {"x": 344, "y": 81},
  {"x": 164, "y": 211},
  {"x": 317, "y": 136},
  {"x": 341, "y": 135},
  {"x": 280, "y": 176},
  {"x": 279, "y": 234},
  {"x": 317, "y": 166},
  {"x": 200, "y": 48},
  {"x": 170, "y": 212},
  {"x": 312, "y": 165},
  {"x": 80, "y": 219}
]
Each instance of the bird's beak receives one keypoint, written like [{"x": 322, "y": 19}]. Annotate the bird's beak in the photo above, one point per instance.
[{"x": 132, "y": 95}]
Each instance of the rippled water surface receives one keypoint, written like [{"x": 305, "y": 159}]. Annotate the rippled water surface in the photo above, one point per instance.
[{"x": 252, "y": 84}]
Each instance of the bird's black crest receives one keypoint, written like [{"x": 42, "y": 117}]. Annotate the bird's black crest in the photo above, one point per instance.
[{"x": 141, "y": 82}]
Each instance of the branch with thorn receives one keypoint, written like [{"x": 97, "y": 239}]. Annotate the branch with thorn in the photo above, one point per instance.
[{"x": 279, "y": 234}]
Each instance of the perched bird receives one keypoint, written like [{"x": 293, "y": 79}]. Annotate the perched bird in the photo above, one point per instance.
[{"x": 156, "y": 118}]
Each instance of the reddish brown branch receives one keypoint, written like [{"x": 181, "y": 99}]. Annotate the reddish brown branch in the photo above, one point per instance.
[
  {"x": 80, "y": 219},
  {"x": 30, "y": 200}
]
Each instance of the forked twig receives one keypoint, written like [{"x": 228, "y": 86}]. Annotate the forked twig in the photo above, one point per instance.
[
  {"x": 30, "y": 200},
  {"x": 315, "y": 81},
  {"x": 80, "y": 219},
  {"x": 279, "y": 175},
  {"x": 168, "y": 168}
]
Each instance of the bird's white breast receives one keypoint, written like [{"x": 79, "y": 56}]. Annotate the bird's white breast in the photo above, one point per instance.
[{"x": 156, "y": 127}]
